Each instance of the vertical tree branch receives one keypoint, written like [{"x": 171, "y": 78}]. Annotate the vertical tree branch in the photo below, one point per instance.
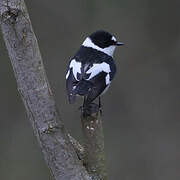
[
  {"x": 94, "y": 157},
  {"x": 36, "y": 94}
]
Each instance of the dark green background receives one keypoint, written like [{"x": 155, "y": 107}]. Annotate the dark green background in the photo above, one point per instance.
[{"x": 141, "y": 109}]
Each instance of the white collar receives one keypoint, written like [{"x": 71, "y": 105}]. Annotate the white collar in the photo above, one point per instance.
[{"x": 108, "y": 50}]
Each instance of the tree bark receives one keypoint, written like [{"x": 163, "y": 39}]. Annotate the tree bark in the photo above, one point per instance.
[
  {"x": 65, "y": 157},
  {"x": 94, "y": 156},
  {"x": 36, "y": 94}
]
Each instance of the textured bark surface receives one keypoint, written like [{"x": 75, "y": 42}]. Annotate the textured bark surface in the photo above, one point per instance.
[
  {"x": 36, "y": 94},
  {"x": 94, "y": 156}
]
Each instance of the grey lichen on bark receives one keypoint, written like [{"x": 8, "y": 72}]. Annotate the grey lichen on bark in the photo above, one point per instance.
[{"x": 65, "y": 157}]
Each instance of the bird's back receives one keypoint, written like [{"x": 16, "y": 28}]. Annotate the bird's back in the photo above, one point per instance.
[{"x": 89, "y": 73}]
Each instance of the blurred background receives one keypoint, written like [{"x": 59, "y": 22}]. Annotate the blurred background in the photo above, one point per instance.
[{"x": 141, "y": 109}]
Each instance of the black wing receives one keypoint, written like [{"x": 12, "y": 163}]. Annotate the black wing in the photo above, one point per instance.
[
  {"x": 70, "y": 83},
  {"x": 99, "y": 81},
  {"x": 99, "y": 85}
]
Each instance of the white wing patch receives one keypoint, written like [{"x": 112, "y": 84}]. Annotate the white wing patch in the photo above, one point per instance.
[
  {"x": 76, "y": 68},
  {"x": 97, "y": 68},
  {"x": 93, "y": 71},
  {"x": 108, "y": 79},
  {"x": 67, "y": 75}
]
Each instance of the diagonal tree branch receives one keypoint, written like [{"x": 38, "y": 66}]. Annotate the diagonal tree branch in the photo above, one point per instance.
[
  {"x": 65, "y": 157},
  {"x": 36, "y": 94},
  {"x": 78, "y": 147}
]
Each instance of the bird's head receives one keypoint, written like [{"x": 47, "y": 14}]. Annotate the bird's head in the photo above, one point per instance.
[{"x": 102, "y": 41}]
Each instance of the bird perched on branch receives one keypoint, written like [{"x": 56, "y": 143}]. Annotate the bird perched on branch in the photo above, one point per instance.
[{"x": 92, "y": 69}]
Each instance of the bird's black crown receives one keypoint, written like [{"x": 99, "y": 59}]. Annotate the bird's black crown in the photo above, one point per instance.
[{"x": 102, "y": 39}]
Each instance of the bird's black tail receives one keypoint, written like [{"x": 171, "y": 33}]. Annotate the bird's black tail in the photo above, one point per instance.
[{"x": 82, "y": 88}]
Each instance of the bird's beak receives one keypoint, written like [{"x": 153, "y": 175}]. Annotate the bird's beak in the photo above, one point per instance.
[{"x": 119, "y": 44}]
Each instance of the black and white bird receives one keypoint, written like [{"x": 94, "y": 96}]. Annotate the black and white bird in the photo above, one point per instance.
[{"x": 92, "y": 69}]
